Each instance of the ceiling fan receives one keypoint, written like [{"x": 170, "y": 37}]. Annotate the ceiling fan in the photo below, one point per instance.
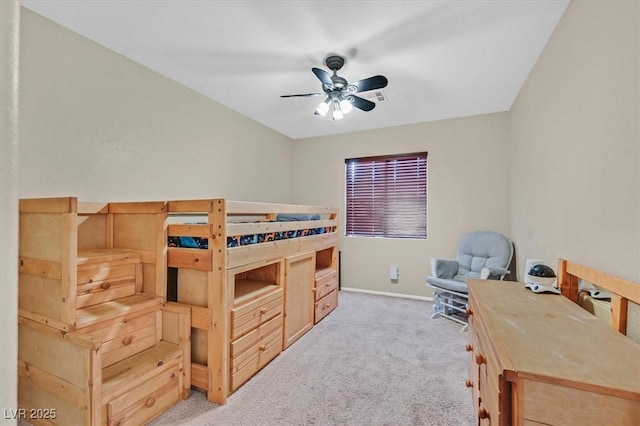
[{"x": 341, "y": 95}]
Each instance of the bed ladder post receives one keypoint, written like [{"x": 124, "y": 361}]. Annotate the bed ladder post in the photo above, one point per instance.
[{"x": 219, "y": 307}]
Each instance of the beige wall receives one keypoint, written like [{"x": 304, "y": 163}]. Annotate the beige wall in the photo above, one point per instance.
[
  {"x": 9, "y": 65},
  {"x": 103, "y": 128},
  {"x": 575, "y": 141},
  {"x": 468, "y": 189}
]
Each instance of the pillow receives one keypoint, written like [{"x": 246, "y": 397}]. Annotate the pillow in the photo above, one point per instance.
[
  {"x": 188, "y": 242},
  {"x": 291, "y": 217}
]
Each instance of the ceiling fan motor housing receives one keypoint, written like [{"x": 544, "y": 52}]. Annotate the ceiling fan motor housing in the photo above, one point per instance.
[
  {"x": 334, "y": 63},
  {"x": 339, "y": 82}
]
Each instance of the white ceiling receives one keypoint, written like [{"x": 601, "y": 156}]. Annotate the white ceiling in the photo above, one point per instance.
[{"x": 443, "y": 59}]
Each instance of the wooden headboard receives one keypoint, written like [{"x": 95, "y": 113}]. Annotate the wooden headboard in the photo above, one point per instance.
[{"x": 622, "y": 291}]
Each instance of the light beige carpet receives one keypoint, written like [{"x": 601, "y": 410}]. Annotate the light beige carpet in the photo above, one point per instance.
[{"x": 375, "y": 360}]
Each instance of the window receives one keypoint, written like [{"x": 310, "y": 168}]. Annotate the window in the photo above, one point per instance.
[{"x": 387, "y": 196}]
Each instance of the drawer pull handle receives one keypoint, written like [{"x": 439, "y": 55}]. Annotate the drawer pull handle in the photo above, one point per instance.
[
  {"x": 327, "y": 284},
  {"x": 149, "y": 402},
  {"x": 105, "y": 286},
  {"x": 469, "y": 311},
  {"x": 468, "y": 383},
  {"x": 480, "y": 359},
  {"x": 127, "y": 340},
  {"x": 262, "y": 348},
  {"x": 328, "y": 305},
  {"x": 483, "y": 413},
  {"x": 469, "y": 347},
  {"x": 263, "y": 311}
]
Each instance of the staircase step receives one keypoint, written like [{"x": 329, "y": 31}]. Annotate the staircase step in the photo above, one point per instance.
[
  {"x": 131, "y": 372},
  {"x": 136, "y": 304}
]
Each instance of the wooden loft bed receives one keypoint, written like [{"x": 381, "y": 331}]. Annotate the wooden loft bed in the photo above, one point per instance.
[
  {"x": 255, "y": 283},
  {"x": 95, "y": 289},
  {"x": 622, "y": 291}
]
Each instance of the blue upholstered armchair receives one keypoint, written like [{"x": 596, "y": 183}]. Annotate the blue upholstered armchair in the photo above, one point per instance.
[{"x": 480, "y": 254}]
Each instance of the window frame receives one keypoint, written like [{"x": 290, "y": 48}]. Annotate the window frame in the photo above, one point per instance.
[{"x": 389, "y": 211}]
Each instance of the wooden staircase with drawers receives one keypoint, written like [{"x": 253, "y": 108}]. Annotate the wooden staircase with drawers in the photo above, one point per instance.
[{"x": 98, "y": 343}]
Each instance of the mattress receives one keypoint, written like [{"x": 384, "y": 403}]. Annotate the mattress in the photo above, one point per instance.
[{"x": 244, "y": 240}]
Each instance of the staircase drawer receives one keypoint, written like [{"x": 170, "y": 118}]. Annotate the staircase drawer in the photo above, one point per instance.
[
  {"x": 100, "y": 282},
  {"x": 147, "y": 400},
  {"x": 124, "y": 337}
]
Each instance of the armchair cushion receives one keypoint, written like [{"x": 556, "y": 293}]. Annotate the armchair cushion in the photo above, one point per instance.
[
  {"x": 480, "y": 254},
  {"x": 452, "y": 285},
  {"x": 482, "y": 249},
  {"x": 444, "y": 268}
]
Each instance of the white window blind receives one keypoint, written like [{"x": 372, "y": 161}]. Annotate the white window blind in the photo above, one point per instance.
[{"x": 386, "y": 196}]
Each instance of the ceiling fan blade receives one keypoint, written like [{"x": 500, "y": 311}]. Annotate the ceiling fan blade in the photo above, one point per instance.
[
  {"x": 300, "y": 95},
  {"x": 362, "y": 104},
  {"x": 323, "y": 76},
  {"x": 371, "y": 83}
]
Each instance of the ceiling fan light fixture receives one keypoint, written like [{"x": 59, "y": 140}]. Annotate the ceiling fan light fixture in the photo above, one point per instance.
[
  {"x": 337, "y": 113},
  {"x": 323, "y": 108},
  {"x": 345, "y": 105}
]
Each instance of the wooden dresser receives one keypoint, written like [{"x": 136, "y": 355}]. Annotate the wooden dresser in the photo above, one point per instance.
[{"x": 541, "y": 359}]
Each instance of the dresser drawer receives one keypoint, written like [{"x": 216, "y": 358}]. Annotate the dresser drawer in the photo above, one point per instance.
[
  {"x": 124, "y": 337},
  {"x": 473, "y": 378},
  {"x": 249, "y": 315},
  {"x": 144, "y": 402},
  {"x": 326, "y": 284},
  {"x": 488, "y": 378},
  {"x": 102, "y": 282},
  {"x": 553, "y": 404},
  {"x": 488, "y": 408},
  {"x": 256, "y": 336},
  {"x": 326, "y": 305},
  {"x": 256, "y": 356},
  {"x": 489, "y": 402}
]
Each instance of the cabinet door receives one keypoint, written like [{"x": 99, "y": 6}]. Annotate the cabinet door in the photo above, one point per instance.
[{"x": 298, "y": 296}]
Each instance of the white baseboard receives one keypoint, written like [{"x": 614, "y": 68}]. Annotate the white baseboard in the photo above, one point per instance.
[{"x": 384, "y": 293}]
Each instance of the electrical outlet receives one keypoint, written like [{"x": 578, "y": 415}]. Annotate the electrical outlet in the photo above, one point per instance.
[{"x": 393, "y": 273}]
